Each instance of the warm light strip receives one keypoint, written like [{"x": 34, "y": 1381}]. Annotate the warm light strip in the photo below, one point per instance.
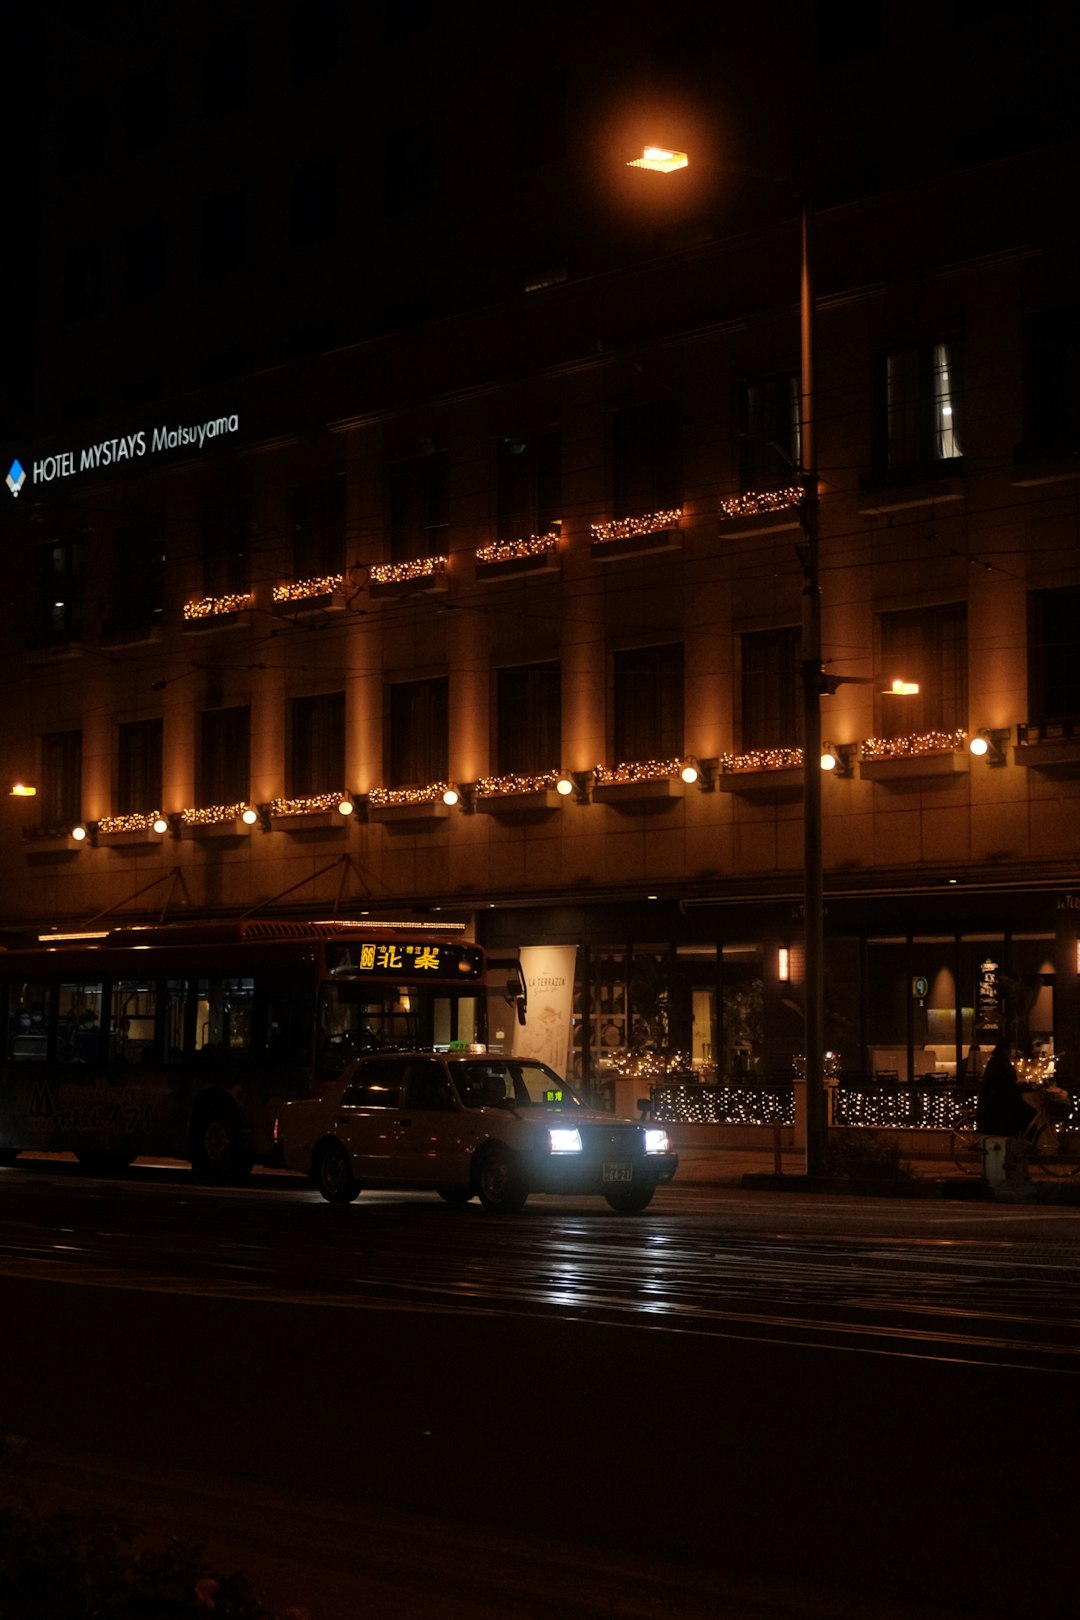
[
  {"x": 765, "y": 500},
  {"x": 136, "y": 821},
  {"x": 207, "y": 607},
  {"x": 397, "y": 573},
  {"x": 628, "y": 528},
  {"x": 299, "y": 590},
  {"x": 536, "y": 545},
  {"x": 211, "y": 815},
  {"x": 763, "y": 759},
  {"x": 57, "y": 939},
  {"x": 309, "y": 805},
  {"x": 646, "y": 770},
  {"x": 926, "y": 742},
  {"x": 492, "y": 787},
  {"x": 432, "y": 793}
]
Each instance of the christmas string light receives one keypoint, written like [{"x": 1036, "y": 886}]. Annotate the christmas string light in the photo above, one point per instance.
[
  {"x": 926, "y": 742},
  {"x": 212, "y": 815},
  {"x": 308, "y": 805},
  {"x": 301, "y": 590},
  {"x": 387, "y": 798},
  {"x": 208, "y": 607},
  {"x": 646, "y": 770},
  {"x": 630, "y": 528},
  {"x": 763, "y": 759},
  {"x": 398, "y": 573},
  {"x": 755, "y": 502},
  {"x": 135, "y": 821},
  {"x": 536, "y": 545},
  {"x": 491, "y": 787}
]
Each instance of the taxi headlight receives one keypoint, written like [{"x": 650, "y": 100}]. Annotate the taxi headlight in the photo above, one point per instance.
[
  {"x": 656, "y": 1141},
  {"x": 566, "y": 1140}
]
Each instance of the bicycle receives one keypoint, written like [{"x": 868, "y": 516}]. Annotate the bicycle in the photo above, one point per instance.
[{"x": 1052, "y": 1136}]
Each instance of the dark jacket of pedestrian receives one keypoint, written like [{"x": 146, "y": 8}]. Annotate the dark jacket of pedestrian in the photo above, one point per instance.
[{"x": 1000, "y": 1109}]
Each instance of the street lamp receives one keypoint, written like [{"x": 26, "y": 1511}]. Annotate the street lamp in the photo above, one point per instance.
[{"x": 663, "y": 160}]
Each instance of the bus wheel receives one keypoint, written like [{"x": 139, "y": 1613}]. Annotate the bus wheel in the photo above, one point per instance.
[
  {"x": 333, "y": 1174},
  {"x": 216, "y": 1153}
]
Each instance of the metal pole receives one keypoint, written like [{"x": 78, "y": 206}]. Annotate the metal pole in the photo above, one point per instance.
[{"x": 813, "y": 901}]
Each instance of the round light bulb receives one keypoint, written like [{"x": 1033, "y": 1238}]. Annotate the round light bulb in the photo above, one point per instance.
[
  {"x": 78, "y": 833},
  {"x": 979, "y": 746},
  {"x": 345, "y": 807},
  {"x": 160, "y": 824},
  {"x": 250, "y": 816},
  {"x": 828, "y": 762},
  {"x": 564, "y": 786},
  {"x": 450, "y": 796},
  {"x": 689, "y": 773}
]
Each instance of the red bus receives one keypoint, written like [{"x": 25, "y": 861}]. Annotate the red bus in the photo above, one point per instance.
[{"x": 180, "y": 1040}]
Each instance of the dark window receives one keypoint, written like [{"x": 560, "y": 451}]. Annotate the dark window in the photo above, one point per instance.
[
  {"x": 145, "y": 263},
  {"x": 317, "y": 759},
  {"x": 138, "y": 767},
  {"x": 771, "y": 688},
  {"x": 647, "y": 459},
  {"x": 529, "y": 485},
  {"x": 314, "y": 202},
  {"x": 427, "y": 1086},
  {"x": 225, "y": 74},
  {"x": 1051, "y": 398},
  {"x": 927, "y": 646},
  {"x": 419, "y": 732},
  {"x": 81, "y": 283},
  {"x": 61, "y": 778},
  {"x": 319, "y": 528},
  {"x": 61, "y": 616},
  {"x": 224, "y": 232},
  {"x": 314, "y": 37},
  {"x": 84, "y": 133},
  {"x": 223, "y": 771},
  {"x": 539, "y": 112},
  {"x": 226, "y": 549},
  {"x": 146, "y": 107},
  {"x": 409, "y": 168},
  {"x": 528, "y": 725},
  {"x": 419, "y": 507},
  {"x": 648, "y": 703},
  {"x": 769, "y": 439},
  {"x": 138, "y": 578},
  {"x": 921, "y": 423},
  {"x": 1053, "y": 667},
  {"x": 377, "y": 1085}
]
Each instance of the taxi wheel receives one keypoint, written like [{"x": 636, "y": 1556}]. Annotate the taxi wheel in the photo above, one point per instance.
[
  {"x": 455, "y": 1195},
  {"x": 630, "y": 1200},
  {"x": 499, "y": 1184},
  {"x": 333, "y": 1175}
]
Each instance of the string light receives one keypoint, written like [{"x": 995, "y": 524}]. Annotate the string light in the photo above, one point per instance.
[
  {"x": 212, "y": 815},
  {"x": 646, "y": 770},
  {"x": 311, "y": 804},
  {"x": 492, "y": 787},
  {"x": 208, "y": 607},
  {"x": 757, "y": 501},
  {"x": 925, "y": 742},
  {"x": 301, "y": 590},
  {"x": 388, "y": 798},
  {"x": 398, "y": 573},
  {"x": 630, "y": 528},
  {"x": 763, "y": 759},
  {"x": 536, "y": 545},
  {"x": 136, "y": 821}
]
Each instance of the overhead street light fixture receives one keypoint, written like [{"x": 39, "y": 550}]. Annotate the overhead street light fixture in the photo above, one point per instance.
[{"x": 660, "y": 158}]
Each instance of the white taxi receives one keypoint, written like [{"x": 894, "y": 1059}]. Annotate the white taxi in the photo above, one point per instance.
[{"x": 492, "y": 1127}]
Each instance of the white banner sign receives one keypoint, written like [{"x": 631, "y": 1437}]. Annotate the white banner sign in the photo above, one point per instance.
[{"x": 549, "y": 979}]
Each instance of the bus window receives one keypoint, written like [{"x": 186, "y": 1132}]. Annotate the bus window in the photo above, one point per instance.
[
  {"x": 131, "y": 1023},
  {"x": 26, "y": 1024},
  {"x": 78, "y": 1023},
  {"x": 176, "y": 1004},
  {"x": 224, "y": 1018}
]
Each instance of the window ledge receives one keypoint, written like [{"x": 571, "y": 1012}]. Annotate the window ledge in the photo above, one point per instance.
[
  {"x": 785, "y": 779},
  {"x": 637, "y": 545},
  {"x": 664, "y": 787},
  {"x": 1031, "y": 467},
  {"x": 1048, "y": 753},
  {"x": 908, "y": 767},
  {"x": 509, "y": 804},
  {"x": 142, "y": 635},
  {"x": 513, "y": 567},
  {"x": 893, "y": 494},
  {"x": 784, "y": 521},
  {"x": 241, "y": 619},
  {"x": 329, "y": 602},
  {"x": 421, "y": 812}
]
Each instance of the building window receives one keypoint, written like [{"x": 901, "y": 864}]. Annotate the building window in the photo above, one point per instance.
[
  {"x": 771, "y": 688},
  {"x": 921, "y": 427},
  {"x": 529, "y": 485},
  {"x": 769, "y": 442},
  {"x": 317, "y": 738},
  {"x": 138, "y": 767},
  {"x": 1051, "y": 401},
  {"x": 648, "y": 703},
  {"x": 138, "y": 579},
  {"x": 539, "y": 113},
  {"x": 60, "y": 616},
  {"x": 314, "y": 202},
  {"x": 409, "y": 168},
  {"x": 528, "y": 719},
  {"x": 224, "y": 232},
  {"x": 419, "y": 507},
  {"x": 419, "y": 745},
  {"x": 318, "y": 511},
  {"x": 226, "y": 549},
  {"x": 145, "y": 265},
  {"x": 647, "y": 459},
  {"x": 1053, "y": 667},
  {"x": 61, "y": 778},
  {"x": 225, "y": 73},
  {"x": 927, "y": 646},
  {"x": 223, "y": 768}
]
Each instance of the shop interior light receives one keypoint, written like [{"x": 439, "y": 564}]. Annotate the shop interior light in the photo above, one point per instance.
[{"x": 783, "y": 964}]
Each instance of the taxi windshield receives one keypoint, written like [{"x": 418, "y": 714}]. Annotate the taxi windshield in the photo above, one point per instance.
[{"x": 497, "y": 1081}]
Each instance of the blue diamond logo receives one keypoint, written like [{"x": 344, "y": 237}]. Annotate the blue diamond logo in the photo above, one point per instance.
[{"x": 16, "y": 477}]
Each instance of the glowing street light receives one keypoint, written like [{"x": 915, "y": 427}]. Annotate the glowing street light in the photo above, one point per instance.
[{"x": 660, "y": 158}]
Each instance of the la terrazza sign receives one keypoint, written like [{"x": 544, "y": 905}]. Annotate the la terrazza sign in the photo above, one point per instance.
[{"x": 110, "y": 452}]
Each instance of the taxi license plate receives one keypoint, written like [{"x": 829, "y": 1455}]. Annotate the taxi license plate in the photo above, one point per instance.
[{"x": 618, "y": 1172}]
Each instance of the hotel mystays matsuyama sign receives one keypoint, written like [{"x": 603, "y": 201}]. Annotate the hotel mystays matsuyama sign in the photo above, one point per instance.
[{"x": 108, "y": 452}]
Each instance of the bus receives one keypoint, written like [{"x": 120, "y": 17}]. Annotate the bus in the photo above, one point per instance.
[{"x": 181, "y": 1040}]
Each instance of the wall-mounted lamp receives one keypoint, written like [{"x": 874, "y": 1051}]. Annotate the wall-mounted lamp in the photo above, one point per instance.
[
  {"x": 85, "y": 832},
  {"x": 565, "y": 785},
  {"x": 459, "y": 795},
  {"x": 987, "y": 744},
  {"x": 582, "y": 785},
  {"x": 837, "y": 759},
  {"x": 701, "y": 771},
  {"x": 22, "y": 790},
  {"x": 160, "y": 823},
  {"x": 346, "y": 807},
  {"x": 783, "y": 964},
  {"x": 901, "y": 688},
  {"x": 249, "y": 815}
]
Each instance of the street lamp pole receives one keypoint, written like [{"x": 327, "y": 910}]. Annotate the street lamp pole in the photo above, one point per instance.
[{"x": 813, "y": 895}]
